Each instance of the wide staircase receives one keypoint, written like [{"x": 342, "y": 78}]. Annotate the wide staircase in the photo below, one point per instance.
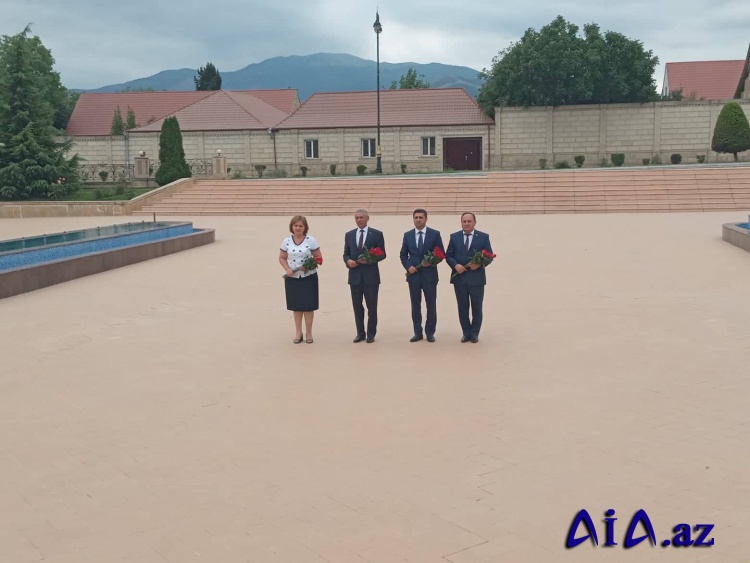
[{"x": 612, "y": 190}]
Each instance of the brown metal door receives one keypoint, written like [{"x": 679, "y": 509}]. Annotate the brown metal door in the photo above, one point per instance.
[{"x": 462, "y": 153}]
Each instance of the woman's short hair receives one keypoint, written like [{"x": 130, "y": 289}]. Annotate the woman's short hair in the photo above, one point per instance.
[{"x": 298, "y": 219}]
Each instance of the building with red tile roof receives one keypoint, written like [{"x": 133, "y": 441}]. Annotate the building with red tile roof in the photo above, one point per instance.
[
  {"x": 93, "y": 113},
  {"x": 703, "y": 80},
  {"x": 426, "y": 129}
]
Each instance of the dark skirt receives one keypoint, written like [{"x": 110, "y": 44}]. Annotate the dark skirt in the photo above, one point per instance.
[{"x": 302, "y": 293}]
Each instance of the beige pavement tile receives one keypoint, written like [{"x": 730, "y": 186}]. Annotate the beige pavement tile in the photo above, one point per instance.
[{"x": 162, "y": 413}]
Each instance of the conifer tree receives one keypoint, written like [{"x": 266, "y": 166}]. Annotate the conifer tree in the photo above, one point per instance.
[
  {"x": 173, "y": 165},
  {"x": 33, "y": 162}
]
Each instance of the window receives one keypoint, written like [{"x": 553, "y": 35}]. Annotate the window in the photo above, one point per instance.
[
  {"x": 311, "y": 149},
  {"x": 368, "y": 148},
  {"x": 428, "y": 146}
]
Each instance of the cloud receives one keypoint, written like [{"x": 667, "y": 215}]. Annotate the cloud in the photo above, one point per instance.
[{"x": 97, "y": 42}]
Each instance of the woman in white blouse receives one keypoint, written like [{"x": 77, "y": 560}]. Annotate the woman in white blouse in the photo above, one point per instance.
[{"x": 301, "y": 286}]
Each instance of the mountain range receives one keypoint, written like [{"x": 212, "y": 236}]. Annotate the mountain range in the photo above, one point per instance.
[{"x": 321, "y": 72}]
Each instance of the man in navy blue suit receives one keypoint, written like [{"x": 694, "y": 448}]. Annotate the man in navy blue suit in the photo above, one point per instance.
[
  {"x": 364, "y": 279},
  {"x": 470, "y": 281},
  {"x": 417, "y": 242}
]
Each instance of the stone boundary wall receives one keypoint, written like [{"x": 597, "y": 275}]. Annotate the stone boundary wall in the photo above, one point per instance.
[{"x": 640, "y": 131}]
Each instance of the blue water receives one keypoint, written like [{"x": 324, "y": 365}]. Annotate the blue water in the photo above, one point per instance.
[
  {"x": 743, "y": 225},
  {"x": 83, "y": 234},
  {"x": 20, "y": 259}
]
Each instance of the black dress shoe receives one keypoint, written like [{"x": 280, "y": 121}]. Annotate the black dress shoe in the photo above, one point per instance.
[
  {"x": 370, "y": 339},
  {"x": 464, "y": 339},
  {"x": 430, "y": 338},
  {"x": 359, "y": 338},
  {"x": 474, "y": 339},
  {"x": 417, "y": 338}
]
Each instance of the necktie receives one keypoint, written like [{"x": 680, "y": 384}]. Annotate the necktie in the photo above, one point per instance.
[
  {"x": 420, "y": 242},
  {"x": 466, "y": 244},
  {"x": 361, "y": 240}
]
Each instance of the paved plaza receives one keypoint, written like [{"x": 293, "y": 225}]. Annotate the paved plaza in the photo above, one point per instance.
[{"x": 160, "y": 413}]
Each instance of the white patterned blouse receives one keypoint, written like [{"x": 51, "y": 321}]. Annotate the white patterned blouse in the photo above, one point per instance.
[{"x": 298, "y": 253}]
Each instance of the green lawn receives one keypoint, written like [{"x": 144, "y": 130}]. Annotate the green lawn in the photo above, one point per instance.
[{"x": 106, "y": 194}]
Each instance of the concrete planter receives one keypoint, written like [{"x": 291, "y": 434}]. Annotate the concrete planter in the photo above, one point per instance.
[{"x": 737, "y": 234}]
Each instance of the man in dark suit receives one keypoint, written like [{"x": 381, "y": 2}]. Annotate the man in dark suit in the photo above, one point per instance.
[
  {"x": 470, "y": 281},
  {"x": 364, "y": 279},
  {"x": 417, "y": 242}
]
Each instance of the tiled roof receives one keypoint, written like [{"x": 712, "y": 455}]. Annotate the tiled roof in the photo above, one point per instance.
[
  {"x": 224, "y": 111},
  {"x": 287, "y": 99},
  {"x": 93, "y": 112},
  {"x": 711, "y": 80},
  {"x": 421, "y": 107}
]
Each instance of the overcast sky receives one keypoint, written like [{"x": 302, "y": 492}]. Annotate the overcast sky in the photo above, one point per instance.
[{"x": 100, "y": 42}]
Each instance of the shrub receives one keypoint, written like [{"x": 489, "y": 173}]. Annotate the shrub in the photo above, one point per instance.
[
  {"x": 646, "y": 161},
  {"x": 171, "y": 154},
  {"x": 229, "y": 169},
  {"x": 259, "y": 168},
  {"x": 732, "y": 131},
  {"x": 618, "y": 158},
  {"x": 562, "y": 164},
  {"x": 120, "y": 189},
  {"x": 656, "y": 159},
  {"x": 676, "y": 158},
  {"x": 332, "y": 168},
  {"x": 403, "y": 169},
  {"x": 104, "y": 175},
  {"x": 303, "y": 169},
  {"x": 130, "y": 194},
  {"x": 361, "y": 169},
  {"x": 238, "y": 175},
  {"x": 603, "y": 163},
  {"x": 278, "y": 173},
  {"x": 542, "y": 163},
  {"x": 701, "y": 158},
  {"x": 580, "y": 159},
  {"x": 98, "y": 193}
]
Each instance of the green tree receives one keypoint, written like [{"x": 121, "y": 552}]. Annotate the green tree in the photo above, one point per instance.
[
  {"x": 118, "y": 125},
  {"x": 130, "y": 122},
  {"x": 208, "y": 78},
  {"x": 173, "y": 165},
  {"x": 732, "y": 131},
  {"x": 555, "y": 66},
  {"x": 32, "y": 154},
  {"x": 410, "y": 81},
  {"x": 41, "y": 65}
]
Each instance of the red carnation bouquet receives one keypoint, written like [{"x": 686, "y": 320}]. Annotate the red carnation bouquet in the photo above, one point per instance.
[
  {"x": 432, "y": 258},
  {"x": 370, "y": 255},
  {"x": 482, "y": 257},
  {"x": 310, "y": 263}
]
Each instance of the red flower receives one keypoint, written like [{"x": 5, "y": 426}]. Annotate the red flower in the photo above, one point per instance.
[
  {"x": 370, "y": 255},
  {"x": 439, "y": 253},
  {"x": 483, "y": 259},
  {"x": 311, "y": 263}
]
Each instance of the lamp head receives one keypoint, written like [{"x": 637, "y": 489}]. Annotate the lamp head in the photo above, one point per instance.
[{"x": 376, "y": 26}]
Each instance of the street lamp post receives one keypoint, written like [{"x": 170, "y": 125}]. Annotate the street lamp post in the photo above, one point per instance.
[{"x": 378, "y": 28}]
